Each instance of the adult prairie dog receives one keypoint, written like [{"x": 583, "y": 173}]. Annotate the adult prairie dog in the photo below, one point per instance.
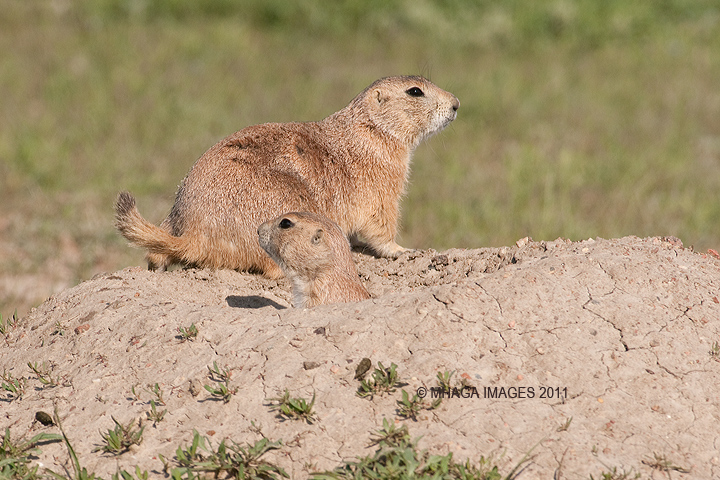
[
  {"x": 314, "y": 255},
  {"x": 351, "y": 167}
]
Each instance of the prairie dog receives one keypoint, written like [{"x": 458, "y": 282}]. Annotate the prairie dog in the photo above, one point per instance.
[
  {"x": 314, "y": 254},
  {"x": 351, "y": 167}
]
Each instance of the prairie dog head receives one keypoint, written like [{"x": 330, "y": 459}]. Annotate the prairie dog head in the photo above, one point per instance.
[
  {"x": 304, "y": 244},
  {"x": 409, "y": 108}
]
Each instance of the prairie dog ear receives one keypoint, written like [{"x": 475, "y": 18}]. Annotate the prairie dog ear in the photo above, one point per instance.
[
  {"x": 317, "y": 237},
  {"x": 379, "y": 96}
]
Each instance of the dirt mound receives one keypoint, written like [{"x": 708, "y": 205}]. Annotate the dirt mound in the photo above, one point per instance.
[{"x": 598, "y": 354}]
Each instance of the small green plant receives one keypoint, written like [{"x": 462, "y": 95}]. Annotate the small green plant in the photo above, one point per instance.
[
  {"x": 232, "y": 460},
  {"x": 135, "y": 397},
  {"x": 443, "y": 380},
  {"x": 43, "y": 373},
  {"x": 121, "y": 438},
  {"x": 9, "y": 324},
  {"x": 221, "y": 377},
  {"x": 660, "y": 462},
  {"x": 14, "y": 386},
  {"x": 383, "y": 380},
  {"x": 154, "y": 415},
  {"x": 124, "y": 475},
  {"x": 189, "y": 333},
  {"x": 410, "y": 407},
  {"x": 221, "y": 391},
  {"x": 613, "y": 474},
  {"x": 715, "y": 350},
  {"x": 294, "y": 408},
  {"x": 59, "y": 329},
  {"x": 157, "y": 393},
  {"x": 153, "y": 390},
  {"x": 15, "y": 455},
  {"x": 390, "y": 435},
  {"x": 565, "y": 425}
]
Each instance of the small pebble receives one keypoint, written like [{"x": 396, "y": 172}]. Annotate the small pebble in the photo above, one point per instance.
[{"x": 44, "y": 418}]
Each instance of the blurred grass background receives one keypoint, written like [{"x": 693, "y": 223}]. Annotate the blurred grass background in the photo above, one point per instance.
[{"x": 578, "y": 118}]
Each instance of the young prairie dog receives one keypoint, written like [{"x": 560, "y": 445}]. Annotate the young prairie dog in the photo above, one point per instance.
[
  {"x": 314, "y": 255},
  {"x": 351, "y": 167}
]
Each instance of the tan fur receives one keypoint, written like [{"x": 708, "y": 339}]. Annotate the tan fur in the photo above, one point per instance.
[
  {"x": 314, "y": 254},
  {"x": 351, "y": 167}
]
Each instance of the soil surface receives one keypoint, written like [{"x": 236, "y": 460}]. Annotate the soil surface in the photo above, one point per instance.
[{"x": 591, "y": 355}]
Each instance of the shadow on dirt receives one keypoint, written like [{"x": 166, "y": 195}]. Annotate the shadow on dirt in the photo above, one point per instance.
[{"x": 251, "y": 301}]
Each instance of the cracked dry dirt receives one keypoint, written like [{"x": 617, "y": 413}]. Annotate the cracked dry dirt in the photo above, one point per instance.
[{"x": 626, "y": 327}]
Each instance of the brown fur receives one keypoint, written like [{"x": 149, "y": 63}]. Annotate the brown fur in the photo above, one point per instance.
[
  {"x": 351, "y": 167},
  {"x": 314, "y": 255}
]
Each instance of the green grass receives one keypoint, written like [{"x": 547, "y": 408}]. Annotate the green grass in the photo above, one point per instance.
[
  {"x": 230, "y": 459},
  {"x": 16, "y": 455},
  {"x": 383, "y": 380},
  {"x": 293, "y": 408},
  {"x": 398, "y": 457},
  {"x": 221, "y": 376},
  {"x": 577, "y": 119},
  {"x": 120, "y": 438}
]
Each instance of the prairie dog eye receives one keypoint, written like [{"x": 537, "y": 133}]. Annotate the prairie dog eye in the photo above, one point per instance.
[
  {"x": 415, "y": 92},
  {"x": 286, "y": 223}
]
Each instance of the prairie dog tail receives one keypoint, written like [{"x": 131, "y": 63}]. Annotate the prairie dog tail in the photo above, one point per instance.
[
  {"x": 191, "y": 248},
  {"x": 161, "y": 246}
]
